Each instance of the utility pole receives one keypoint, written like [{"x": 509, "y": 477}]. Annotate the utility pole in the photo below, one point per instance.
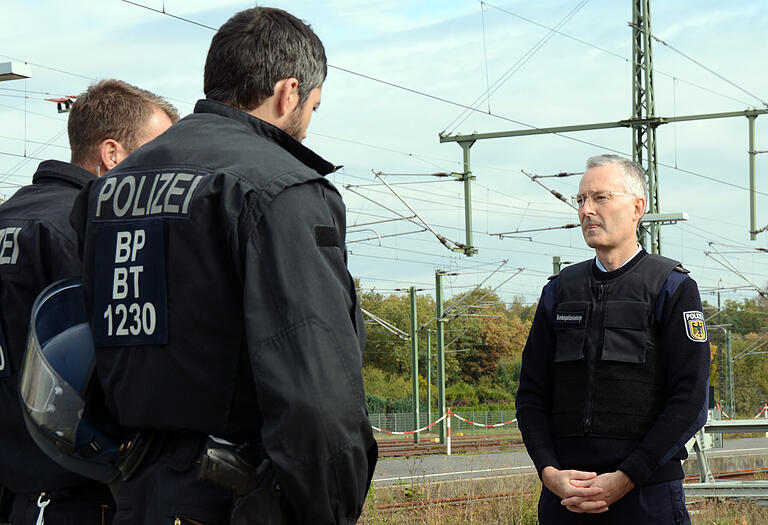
[
  {"x": 429, "y": 375},
  {"x": 720, "y": 360},
  {"x": 730, "y": 389},
  {"x": 440, "y": 351},
  {"x": 466, "y": 177},
  {"x": 415, "y": 363},
  {"x": 556, "y": 265},
  {"x": 752, "y": 153},
  {"x": 729, "y": 384}
]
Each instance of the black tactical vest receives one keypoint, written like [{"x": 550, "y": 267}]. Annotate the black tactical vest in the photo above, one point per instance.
[{"x": 608, "y": 376}]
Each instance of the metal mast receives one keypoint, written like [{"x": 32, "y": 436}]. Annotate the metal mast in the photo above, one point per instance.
[{"x": 643, "y": 111}]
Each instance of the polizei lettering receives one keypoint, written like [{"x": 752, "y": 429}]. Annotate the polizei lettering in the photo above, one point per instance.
[
  {"x": 136, "y": 196},
  {"x": 9, "y": 245}
]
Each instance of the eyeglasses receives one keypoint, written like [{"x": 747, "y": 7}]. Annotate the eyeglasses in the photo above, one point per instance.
[{"x": 598, "y": 198}]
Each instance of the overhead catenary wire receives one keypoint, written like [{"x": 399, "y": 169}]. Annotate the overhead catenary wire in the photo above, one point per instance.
[
  {"x": 612, "y": 53},
  {"x": 27, "y": 158},
  {"x": 542, "y": 213},
  {"x": 470, "y": 108},
  {"x": 727, "y": 264},
  {"x": 17, "y": 155},
  {"x": 380, "y": 237},
  {"x": 505, "y": 281},
  {"x": 389, "y": 326},
  {"x": 464, "y": 115},
  {"x": 49, "y": 68},
  {"x": 710, "y": 70},
  {"x": 485, "y": 56},
  {"x": 445, "y": 241},
  {"x": 382, "y": 221},
  {"x": 465, "y": 296},
  {"x": 761, "y": 341},
  {"x": 34, "y": 142},
  {"x": 557, "y": 194},
  {"x": 489, "y": 243},
  {"x": 502, "y": 235}
]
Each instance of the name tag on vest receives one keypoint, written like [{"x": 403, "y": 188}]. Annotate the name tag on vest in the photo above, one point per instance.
[{"x": 569, "y": 317}]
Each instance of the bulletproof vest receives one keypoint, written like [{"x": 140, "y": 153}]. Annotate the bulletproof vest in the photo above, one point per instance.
[{"x": 608, "y": 380}]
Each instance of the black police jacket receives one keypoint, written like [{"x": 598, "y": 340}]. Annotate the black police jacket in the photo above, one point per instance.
[
  {"x": 37, "y": 247},
  {"x": 608, "y": 377},
  {"x": 214, "y": 266}
]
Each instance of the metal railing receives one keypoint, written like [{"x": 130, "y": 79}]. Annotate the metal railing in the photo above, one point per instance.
[{"x": 709, "y": 486}]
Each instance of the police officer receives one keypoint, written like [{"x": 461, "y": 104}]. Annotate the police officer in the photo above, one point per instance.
[
  {"x": 614, "y": 373},
  {"x": 214, "y": 267},
  {"x": 38, "y": 247}
]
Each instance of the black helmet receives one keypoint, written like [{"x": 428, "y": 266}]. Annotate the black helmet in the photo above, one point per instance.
[{"x": 57, "y": 373}]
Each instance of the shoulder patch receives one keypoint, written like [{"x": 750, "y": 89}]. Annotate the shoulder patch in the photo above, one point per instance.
[
  {"x": 679, "y": 268},
  {"x": 695, "y": 326}
]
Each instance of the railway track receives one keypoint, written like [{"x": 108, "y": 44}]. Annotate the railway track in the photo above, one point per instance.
[
  {"x": 454, "y": 503},
  {"x": 483, "y": 443}
]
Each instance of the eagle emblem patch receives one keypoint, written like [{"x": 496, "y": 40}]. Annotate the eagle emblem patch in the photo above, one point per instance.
[{"x": 695, "y": 327}]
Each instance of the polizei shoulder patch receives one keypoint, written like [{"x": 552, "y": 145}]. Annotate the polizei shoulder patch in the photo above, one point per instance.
[{"x": 695, "y": 327}]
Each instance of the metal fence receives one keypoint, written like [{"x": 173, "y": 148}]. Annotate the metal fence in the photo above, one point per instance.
[{"x": 403, "y": 421}]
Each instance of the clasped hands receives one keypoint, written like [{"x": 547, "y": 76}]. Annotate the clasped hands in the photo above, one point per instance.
[{"x": 586, "y": 492}]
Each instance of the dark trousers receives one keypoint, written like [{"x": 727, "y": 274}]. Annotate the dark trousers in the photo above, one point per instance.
[
  {"x": 90, "y": 505},
  {"x": 166, "y": 489},
  {"x": 657, "y": 504}
]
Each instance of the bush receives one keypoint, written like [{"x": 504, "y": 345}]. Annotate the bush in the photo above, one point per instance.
[
  {"x": 461, "y": 395},
  {"x": 404, "y": 405},
  {"x": 376, "y": 404},
  {"x": 385, "y": 385}
]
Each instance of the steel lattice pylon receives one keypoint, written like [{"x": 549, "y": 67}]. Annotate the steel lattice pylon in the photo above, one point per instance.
[{"x": 643, "y": 111}]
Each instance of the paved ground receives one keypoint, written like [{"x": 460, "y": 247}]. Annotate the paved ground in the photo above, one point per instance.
[{"x": 470, "y": 466}]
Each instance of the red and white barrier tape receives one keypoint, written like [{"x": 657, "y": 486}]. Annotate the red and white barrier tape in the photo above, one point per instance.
[
  {"x": 723, "y": 412},
  {"x": 763, "y": 411},
  {"x": 481, "y": 424},
  {"x": 449, "y": 413},
  {"x": 409, "y": 431}
]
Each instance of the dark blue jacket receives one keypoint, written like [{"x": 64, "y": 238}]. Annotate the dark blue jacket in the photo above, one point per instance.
[
  {"x": 214, "y": 265},
  {"x": 37, "y": 247},
  {"x": 683, "y": 358}
]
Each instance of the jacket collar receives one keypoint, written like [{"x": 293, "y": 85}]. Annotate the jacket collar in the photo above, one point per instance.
[
  {"x": 273, "y": 133},
  {"x": 56, "y": 170},
  {"x": 607, "y": 276}
]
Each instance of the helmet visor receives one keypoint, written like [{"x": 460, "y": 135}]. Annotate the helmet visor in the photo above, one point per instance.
[
  {"x": 51, "y": 401},
  {"x": 54, "y": 403}
]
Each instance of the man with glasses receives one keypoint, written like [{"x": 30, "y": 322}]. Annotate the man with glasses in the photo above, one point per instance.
[{"x": 615, "y": 370}]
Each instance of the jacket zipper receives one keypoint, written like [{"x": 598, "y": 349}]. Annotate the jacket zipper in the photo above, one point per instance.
[{"x": 592, "y": 349}]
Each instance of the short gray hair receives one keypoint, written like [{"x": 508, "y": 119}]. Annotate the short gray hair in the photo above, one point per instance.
[{"x": 632, "y": 173}]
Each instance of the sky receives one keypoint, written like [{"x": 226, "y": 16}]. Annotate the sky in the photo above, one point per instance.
[{"x": 401, "y": 72}]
